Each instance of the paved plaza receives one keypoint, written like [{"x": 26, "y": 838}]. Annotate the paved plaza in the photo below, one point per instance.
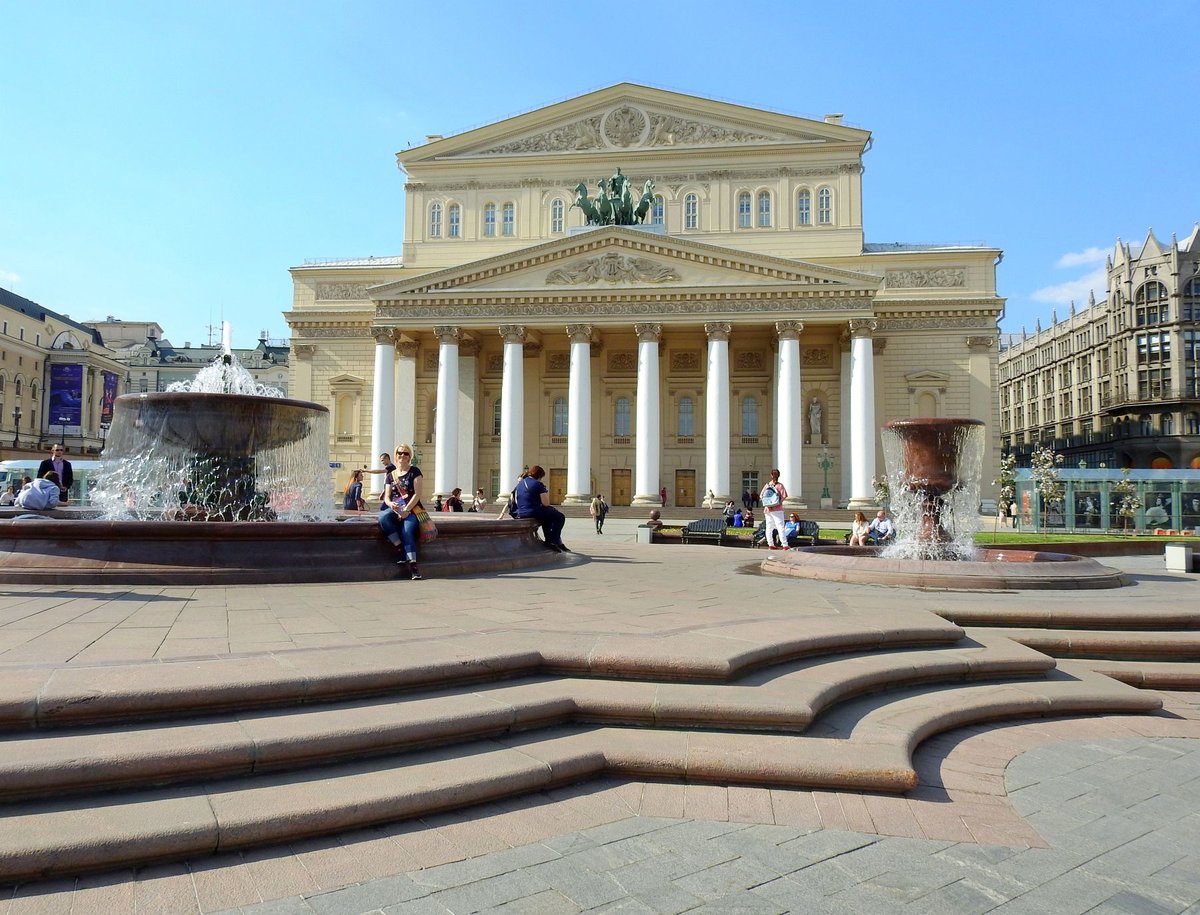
[{"x": 1063, "y": 814}]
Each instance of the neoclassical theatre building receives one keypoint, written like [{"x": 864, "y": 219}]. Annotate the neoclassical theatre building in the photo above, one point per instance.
[{"x": 745, "y": 325}]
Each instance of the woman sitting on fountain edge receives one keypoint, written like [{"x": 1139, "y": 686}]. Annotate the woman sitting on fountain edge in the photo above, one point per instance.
[{"x": 396, "y": 514}]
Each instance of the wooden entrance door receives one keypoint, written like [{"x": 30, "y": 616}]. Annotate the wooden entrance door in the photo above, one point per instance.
[
  {"x": 558, "y": 485},
  {"x": 621, "y": 483},
  {"x": 685, "y": 489}
]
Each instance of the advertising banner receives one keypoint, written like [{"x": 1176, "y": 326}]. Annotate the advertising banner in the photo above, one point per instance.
[
  {"x": 66, "y": 395},
  {"x": 110, "y": 394}
]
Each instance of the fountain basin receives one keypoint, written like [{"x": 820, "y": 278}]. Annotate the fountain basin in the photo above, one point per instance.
[
  {"x": 993, "y": 570},
  {"x": 75, "y": 552},
  {"x": 227, "y": 425}
]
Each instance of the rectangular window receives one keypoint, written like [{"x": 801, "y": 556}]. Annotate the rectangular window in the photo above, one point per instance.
[
  {"x": 750, "y": 482},
  {"x": 509, "y": 226},
  {"x": 743, "y": 211},
  {"x": 690, "y": 211}
]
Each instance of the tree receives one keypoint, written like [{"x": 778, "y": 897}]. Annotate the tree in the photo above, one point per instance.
[
  {"x": 1007, "y": 481},
  {"x": 1128, "y": 502},
  {"x": 883, "y": 493},
  {"x": 1043, "y": 466}
]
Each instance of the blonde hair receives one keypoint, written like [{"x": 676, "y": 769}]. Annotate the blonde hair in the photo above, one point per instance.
[{"x": 403, "y": 446}]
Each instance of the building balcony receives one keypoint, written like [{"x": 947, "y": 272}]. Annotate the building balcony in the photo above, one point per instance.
[{"x": 1154, "y": 397}]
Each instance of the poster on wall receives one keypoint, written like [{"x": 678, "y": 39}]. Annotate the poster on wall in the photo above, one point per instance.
[
  {"x": 110, "y": 395},
  {"x": 66, "y": 395}
]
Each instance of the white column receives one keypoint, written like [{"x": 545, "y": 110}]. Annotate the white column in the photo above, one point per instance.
[
  {"x": 406, "y": 395},
  {"x": 716, "y": 416},
  {"x": 468, "y": 414},
  {"x": 445, "y": 462},
  {"x": 383, "y": 396},
  {"x": 791, "y": 417},
  {"x": 579, "y": 417},
  {"x": 863, "y": 433},
  {"x": 512, "y": 409},
  {"x": 649, "y": 433},
  {"x": 844, "y": 423}
]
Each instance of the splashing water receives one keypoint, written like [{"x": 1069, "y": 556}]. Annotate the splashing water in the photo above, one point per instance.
[
  {"x": 221, "y": 447},
  {"x": 943, "y": 494}
]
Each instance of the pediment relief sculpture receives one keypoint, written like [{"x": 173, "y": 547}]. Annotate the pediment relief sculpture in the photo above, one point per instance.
[
  {"x": 932, "y": 278},
  {"x": 626, "y": 127},
  {"x": 612, "y": 268}
]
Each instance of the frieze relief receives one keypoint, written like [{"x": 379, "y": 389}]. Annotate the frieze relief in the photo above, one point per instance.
[
  {"x": 612, "y": 268},
  {"x": 495, "y": 363},
  {"x": 558, "y": 362},
  {"x": 935, "y": 277},
  {"x": 748, "y": 362},
  {"x": 622, "y": 362},
  {"x": 342, "y": 290},
  {"x": 462, "y": 311},
  {"x": 360, "y": 332},
  {"x": 431, "y": 360},
  {"x": 816, "y": 357},
  {"x": 687, "y": 360},
  {"x": 671, "y": 181},
  {"x": 931, "y": 323}
]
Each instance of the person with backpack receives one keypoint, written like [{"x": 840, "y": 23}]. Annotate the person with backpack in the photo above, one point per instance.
[
  {"x": 598, "y": 510},
  {"x": 772, "y": 497}
]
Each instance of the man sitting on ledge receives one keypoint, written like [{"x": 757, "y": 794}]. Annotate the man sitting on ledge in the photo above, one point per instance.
[{"x": 881, "y": 531}]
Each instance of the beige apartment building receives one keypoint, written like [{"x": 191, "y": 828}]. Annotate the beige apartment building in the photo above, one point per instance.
[
  {"x": 1116, "y": 382},
  {"x": 747, "y": 324}
]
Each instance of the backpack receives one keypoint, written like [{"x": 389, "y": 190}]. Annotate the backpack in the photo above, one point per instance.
[
  {"x": 770, "y": 496},
  {"x": 511, "y": 507}
]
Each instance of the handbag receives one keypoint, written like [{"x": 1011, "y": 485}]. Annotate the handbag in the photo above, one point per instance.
[{"x": 429, "y": 530}]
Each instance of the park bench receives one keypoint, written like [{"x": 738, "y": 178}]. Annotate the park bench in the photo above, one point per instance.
[
  {"x": 808, "y": 535},
  {"x": 706, "y": 530}
]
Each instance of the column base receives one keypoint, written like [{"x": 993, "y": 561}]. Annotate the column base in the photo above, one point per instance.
[
  {"x": 577, "y": 498},
  {"x": 794, "y": 503},
  {"x": 862, "y": 503},
  {"x": 654, "y": 500}
]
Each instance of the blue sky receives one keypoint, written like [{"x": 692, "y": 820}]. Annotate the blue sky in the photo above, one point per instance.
[{"x": 170, "y": 161}]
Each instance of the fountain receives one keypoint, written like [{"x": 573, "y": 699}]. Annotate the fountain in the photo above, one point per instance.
[
  {"x": 933, "y": 469},
  {"x": 248, "y": 469}
]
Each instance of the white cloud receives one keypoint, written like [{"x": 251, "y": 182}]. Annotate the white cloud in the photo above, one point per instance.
[
  {"x": 8, "y": 278},
  {"x": 1080, "y": 258},
  {"x": 1075, "y": 290}
]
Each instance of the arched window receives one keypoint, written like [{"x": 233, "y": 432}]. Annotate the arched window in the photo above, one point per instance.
[
  {"x": 489, "y": 220},
  {"x": 686, "y": 417},
  {"x": 33, "y": 390},
  {"x": 749, "y": 416},
  {"x": 1150, "y": 301},
  {"x": 764, "y": 209},
  {"x": 508, "y": 221},
  {"x": 743, "y": 210},
  {"x": 691, "y": 211},
  {"x": 559, "y": 427},
  {"x": 804, "y": 208},
  {"x": 621, "y": 417},
  {"x": 1146, "y": 422},
  {"x": 825, "y": 207},
  {"x": 1191, "y": 423},
  {"x": 435, "y": 220},
  {"x": 18, "y": 387},
  {"x": 1190, "y": 306},
  {"x": 2, "y": 380},
  {"x": 454, "y": 221},
  {"x": 557, "y": 218},
  {"x": 658, "y": 211},
  {"x": 1166, "y": 422},
  {"x": 497, "y": 407}
]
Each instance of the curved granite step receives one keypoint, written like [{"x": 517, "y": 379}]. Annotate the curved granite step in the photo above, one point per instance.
[
  {"x": 784, "y": 698},
  {"x": 1150, "y": 674},
  {"x": 1035, "y": 615},
  {"x": 1118, "y": 645},
  {"x": 872, "y": 753}
]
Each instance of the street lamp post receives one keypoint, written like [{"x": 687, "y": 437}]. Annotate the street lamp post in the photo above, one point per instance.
[
  {"x": 16, "y": 425},
  {"x": 825, "y": 461}
]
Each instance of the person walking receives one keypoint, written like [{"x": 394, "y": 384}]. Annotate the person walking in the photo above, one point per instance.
[
  {"x": 62, "y": 470},
  {"x": 533, "y": 501},
  {"x": 772, "y": 497},
  {"x": 662, "y": 495},
  {"x": 397, "y": 516},
  {"x": 598, "y": 509}
]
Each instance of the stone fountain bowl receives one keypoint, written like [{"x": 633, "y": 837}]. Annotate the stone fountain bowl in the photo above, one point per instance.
[
  {"x": 221, "y": 425},
  {"x": 993, "y": 570}
]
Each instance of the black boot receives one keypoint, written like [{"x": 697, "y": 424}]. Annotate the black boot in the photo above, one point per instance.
[{"x": 416, "y": 574}]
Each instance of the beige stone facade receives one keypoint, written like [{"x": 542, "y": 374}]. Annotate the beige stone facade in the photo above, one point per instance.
[
  {"x": 684, "y": 354},
  {"x": 1116, "y": 382}
]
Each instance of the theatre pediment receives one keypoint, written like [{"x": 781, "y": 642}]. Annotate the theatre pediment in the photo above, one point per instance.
[
  {"x": 618, "y": 260},
  {"x": 632, "y": 117}
]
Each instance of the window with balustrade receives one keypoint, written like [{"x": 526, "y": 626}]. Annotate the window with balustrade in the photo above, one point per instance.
[
  {"x": 621, "y": 417},
  {"x": 685, "y": 427},
  {"x": 559, "y": 425},
  {"x": 749, "y": 417}
]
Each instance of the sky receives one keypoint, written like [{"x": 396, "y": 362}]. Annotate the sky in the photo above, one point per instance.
[{"x": 170, "y": 161}]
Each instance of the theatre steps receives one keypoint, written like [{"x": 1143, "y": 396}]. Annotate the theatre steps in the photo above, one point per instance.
[{"x": 232, "y": 757}]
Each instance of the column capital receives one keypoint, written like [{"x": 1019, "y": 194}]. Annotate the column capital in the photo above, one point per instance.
[
  {"x": 580, "y": 333},
  {"x": 407, "y": 349},
  {"x": 384, "y": 336},
  {"x": 304, "y": 350},
  {"x": 648, "y": 333},
  {"x": 446, "y": 333},
  {"x": 468, "y": 346},
  {"x": 980, "y": 343},
  {"x": 789, "y": 330},
  {"x": 878, "y": 345},
  {"x": 718, "y": 330},
  {"x": 513, "y": 333},
  {"x": 862, "y": 327}
]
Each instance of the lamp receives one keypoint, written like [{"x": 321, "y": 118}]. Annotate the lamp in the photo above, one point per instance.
[{"x": 16, "y": 425}]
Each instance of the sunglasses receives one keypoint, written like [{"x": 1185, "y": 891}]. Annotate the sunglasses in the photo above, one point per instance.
[{"x": 403, "y": 454}]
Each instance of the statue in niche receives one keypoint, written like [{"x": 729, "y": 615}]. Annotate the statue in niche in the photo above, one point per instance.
[
  {"x": 814, "y": 421},
  {"x": 614, "y": 203}
]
